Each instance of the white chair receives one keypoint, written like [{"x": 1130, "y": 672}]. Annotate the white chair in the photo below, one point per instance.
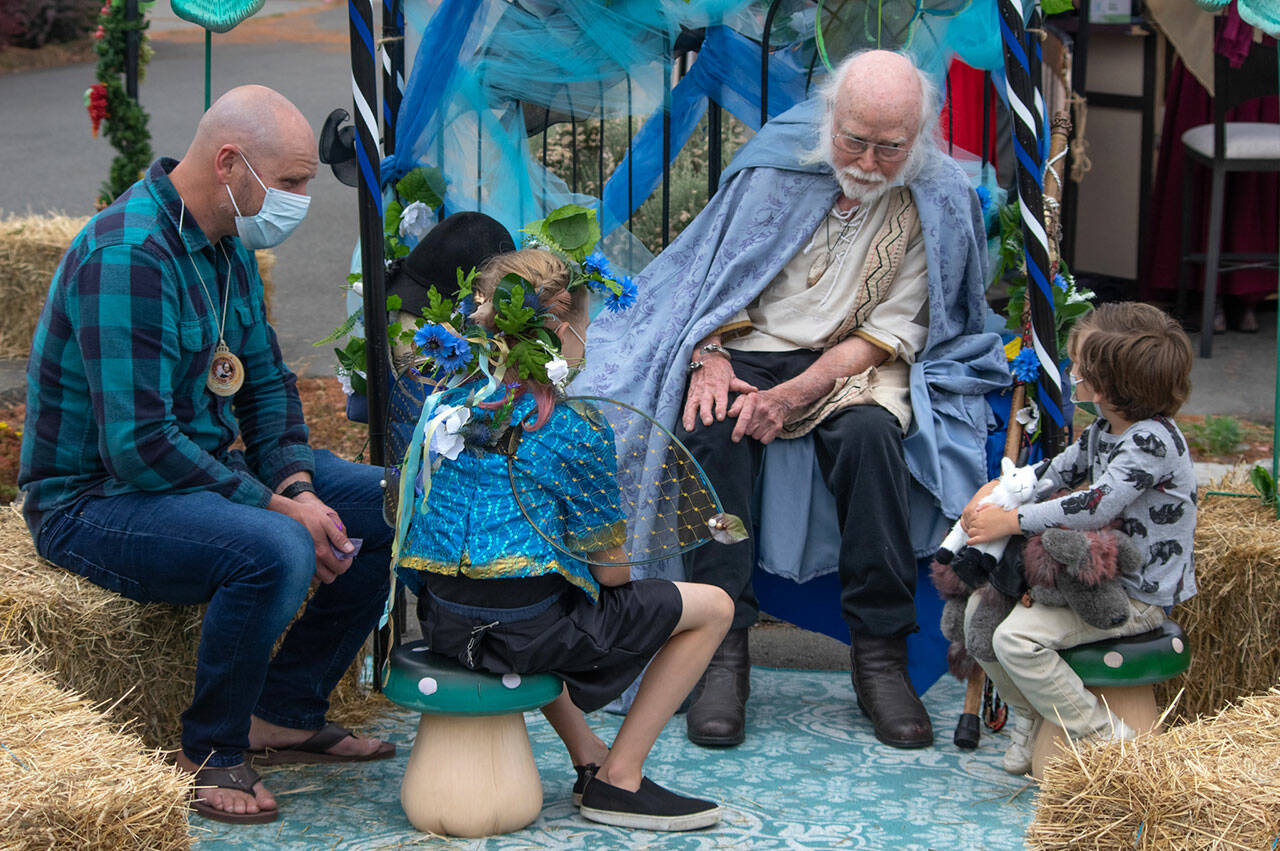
[{"x": 1222, "y": 147}]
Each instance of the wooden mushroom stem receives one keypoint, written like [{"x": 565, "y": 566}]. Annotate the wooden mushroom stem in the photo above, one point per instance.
[{"x": 471, "y": 775}]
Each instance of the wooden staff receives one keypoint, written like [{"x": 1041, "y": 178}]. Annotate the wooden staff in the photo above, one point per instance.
[{"x": 968, "y": 728}]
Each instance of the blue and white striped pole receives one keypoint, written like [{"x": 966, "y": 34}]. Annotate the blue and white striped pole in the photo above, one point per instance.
[{"x": 1027, "y": 109}]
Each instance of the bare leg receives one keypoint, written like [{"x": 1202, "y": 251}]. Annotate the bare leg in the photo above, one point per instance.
[
  {"x": 671, "y": 676},
  {"x": 584, "y": 746}
]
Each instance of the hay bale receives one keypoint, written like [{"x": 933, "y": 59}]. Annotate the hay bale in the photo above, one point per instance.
[
  {"x": 137, "y": 658},
  {"x": 69, "y": 779},
  {"x": 1212, "y": 784},
  {"x": 30, "y": 249},
  {"x": 1231, "y": 624}
]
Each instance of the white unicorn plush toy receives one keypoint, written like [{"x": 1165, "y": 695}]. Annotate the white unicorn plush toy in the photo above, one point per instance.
[{"x": 1016, "y": 487}]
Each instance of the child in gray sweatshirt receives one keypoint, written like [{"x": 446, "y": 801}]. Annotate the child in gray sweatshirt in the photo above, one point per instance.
[{"x": 1130, "y": 469}]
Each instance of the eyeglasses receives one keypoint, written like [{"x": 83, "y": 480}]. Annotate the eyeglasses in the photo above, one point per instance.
[{"x": 856, "y": 146}]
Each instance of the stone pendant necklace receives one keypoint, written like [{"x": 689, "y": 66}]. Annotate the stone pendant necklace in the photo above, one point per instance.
[{"x": 226, "y": 373}]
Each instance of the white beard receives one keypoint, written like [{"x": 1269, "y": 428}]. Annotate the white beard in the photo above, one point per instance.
[{"x": 861, "y": 192}]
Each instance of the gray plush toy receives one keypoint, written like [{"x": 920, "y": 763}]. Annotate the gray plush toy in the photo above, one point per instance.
[{"x": 1062, "y": 567}]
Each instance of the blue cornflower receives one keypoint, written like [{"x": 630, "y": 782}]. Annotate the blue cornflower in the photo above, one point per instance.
[
  {"x": 467, "y": 305},
  {"x": 597, "y": 262},
  {"x": 620, "y": 301},
  {"x": 1026, "y": 366},
  {"x": 1060, "y": 281},
  {"x": 984, "y": 198},
  {"x": 449, "y": 352}
]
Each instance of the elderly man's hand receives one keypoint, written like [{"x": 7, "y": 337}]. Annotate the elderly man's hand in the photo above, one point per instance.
[
  {"x": 709, "y": 389},
  {"x": 760, "y": 415}
]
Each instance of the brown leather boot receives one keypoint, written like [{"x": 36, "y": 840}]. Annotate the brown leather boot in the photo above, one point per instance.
[
  {"x": 717, "y": 717},
  {"x": 885, "y": 693}
]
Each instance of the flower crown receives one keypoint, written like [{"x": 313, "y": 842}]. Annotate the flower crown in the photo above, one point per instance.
[{"x": 452, "y": 343}]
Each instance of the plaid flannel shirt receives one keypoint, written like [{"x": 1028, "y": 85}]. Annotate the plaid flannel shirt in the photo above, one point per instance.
[{"x": 116, "y": 396}]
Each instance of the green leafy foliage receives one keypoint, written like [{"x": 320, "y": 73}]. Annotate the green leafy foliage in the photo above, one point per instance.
[
  {"x": 510, "y": 314},
  {"x": 352, "y": 359},
  {"x": 425, "y": 184},
  {"x": 126, "y": 123},
  {"x": 1069, "y": 302},
  {"x": 529, "y": 360},
  {"x": 439, "y": 310},
  {"x": 571, "y": 228},
  {"x": 1217, "y": 436},
  {"x": 1263, "y": 482}
]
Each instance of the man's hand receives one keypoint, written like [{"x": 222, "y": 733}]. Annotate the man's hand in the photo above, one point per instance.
[
  {"x": 327, "y": 532},
  {"x": 761, "y": 414},
  {"x": 991, "y": 523},
  {"x": 709, "y": 389}
]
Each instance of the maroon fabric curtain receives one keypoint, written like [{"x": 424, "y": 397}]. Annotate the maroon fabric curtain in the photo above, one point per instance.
[{"x": 1250, "y": 223}]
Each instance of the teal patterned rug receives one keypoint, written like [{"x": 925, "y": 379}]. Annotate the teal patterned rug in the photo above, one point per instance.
[{"x": 810, "y": 776}]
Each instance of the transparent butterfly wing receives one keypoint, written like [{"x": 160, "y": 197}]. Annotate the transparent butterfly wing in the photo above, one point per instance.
[{"x": 620, "y": 480}]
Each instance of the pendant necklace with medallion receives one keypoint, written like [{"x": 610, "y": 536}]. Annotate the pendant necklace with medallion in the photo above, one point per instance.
[
  {"x": 226, "y": 373},
  {"x": 850, "y": 225}
]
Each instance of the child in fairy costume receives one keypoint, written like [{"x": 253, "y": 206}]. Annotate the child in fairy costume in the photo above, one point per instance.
[{"x": 497, "y": 597}]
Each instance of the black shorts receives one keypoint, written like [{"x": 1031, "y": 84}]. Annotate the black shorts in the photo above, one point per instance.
[{"x": 598, "y": 650}]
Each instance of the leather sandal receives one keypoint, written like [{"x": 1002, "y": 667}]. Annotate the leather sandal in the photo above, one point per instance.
[
  {"x": 241, "y": 778},
  {"x": 316, "y": 749},
  {"x": 717, "y": 716}
]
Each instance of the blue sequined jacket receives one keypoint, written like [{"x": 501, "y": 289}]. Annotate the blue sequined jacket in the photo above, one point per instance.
[{"x": 480, "y": 513}]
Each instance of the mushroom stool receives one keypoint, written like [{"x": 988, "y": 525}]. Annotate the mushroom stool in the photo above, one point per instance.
[
  {"x": 1120, "y": 671},
  {"x": 471, "y": 771}
]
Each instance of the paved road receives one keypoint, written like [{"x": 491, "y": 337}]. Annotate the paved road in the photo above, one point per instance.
[{"x": 50, "y": 161}]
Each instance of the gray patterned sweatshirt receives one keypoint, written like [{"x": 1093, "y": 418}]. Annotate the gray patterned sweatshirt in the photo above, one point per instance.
[{"x": 1143, "y": 478}]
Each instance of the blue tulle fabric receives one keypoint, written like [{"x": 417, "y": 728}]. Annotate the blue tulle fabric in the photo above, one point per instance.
[
  {"x": 474, "y": 526},
  {"x": 483, "y": 67}
]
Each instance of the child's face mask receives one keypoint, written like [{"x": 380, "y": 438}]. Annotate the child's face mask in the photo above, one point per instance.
[{"x": 1086, "y": 405}]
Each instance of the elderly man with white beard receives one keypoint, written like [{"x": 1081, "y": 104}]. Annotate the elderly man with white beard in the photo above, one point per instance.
[{"x": 829, "y": 297}]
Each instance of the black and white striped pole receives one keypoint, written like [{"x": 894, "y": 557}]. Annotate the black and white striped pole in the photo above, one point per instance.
[
  {"x": 392, "y": 70},
  {"x": 364, "y": 90},
  {"x": 1027, "y": 110}
]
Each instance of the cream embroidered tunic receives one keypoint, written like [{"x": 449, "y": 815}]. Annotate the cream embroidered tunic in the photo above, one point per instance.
[{"x": 892, "y": 314}]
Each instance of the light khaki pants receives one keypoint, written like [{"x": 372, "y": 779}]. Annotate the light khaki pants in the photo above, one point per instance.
[{"x": 1032, "y": 677}]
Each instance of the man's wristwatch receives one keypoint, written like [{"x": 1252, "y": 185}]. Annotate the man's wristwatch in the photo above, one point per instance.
[{"x": 295, "y": 488}]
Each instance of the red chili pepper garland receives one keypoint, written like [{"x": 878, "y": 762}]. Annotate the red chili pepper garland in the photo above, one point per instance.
[
  {"x": 96, "y": 101},
  {"x": 126, "y": 121}
]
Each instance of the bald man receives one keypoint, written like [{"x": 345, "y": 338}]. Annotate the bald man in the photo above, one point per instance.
[{"x": 151, "y": 358}]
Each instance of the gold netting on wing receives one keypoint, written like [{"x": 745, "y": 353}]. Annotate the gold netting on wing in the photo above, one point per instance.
[{"x": 633, "y": 468}]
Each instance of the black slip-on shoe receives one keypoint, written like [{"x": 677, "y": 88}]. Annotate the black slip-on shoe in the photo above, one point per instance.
[
  {"x": 585, "y": 773},
  {"x": 649, "y": 808}
]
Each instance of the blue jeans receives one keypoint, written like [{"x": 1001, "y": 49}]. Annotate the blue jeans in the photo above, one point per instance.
[{"x": 253, "y": 567}]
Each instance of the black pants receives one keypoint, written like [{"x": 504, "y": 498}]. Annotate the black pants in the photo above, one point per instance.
[{"x": 859, "y": 452}]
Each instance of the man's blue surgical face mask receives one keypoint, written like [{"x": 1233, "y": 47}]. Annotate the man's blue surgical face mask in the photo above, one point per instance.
[
  {"x": 1088, "y": 407},
  {"x": 281, "y": 213}
]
